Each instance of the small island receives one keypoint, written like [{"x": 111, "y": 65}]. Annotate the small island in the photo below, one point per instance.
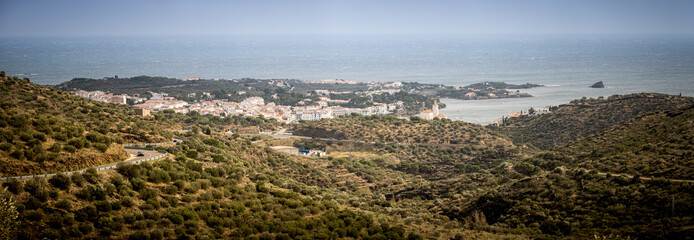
[{"x": 598, "y": 85}]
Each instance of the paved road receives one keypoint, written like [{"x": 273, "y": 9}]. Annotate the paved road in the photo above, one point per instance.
[{"x": 149, "y": 156}]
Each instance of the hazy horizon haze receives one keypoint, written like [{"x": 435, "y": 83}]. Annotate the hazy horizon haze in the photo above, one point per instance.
[{"x": 99, "y": 18}]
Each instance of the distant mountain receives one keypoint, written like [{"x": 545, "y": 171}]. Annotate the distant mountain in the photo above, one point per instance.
[{"x": 584, "y": 117}]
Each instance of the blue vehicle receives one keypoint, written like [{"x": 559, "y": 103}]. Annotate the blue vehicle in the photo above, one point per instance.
[{"x": 303, "y": 151}]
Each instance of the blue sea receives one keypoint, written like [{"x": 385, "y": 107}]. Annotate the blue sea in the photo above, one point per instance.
[{"x": 567, "y": 65}]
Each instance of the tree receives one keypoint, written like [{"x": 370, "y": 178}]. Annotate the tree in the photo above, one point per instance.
[
  {"x": 531, "y": 111},
  {"x": 8, "y": 216}
]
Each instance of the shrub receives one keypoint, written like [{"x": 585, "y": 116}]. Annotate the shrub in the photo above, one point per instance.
[
  {"x": 78, "y": 143},
  {"x": 89, "y": 212},
  {"x": 85, "y": 228},
  {"x": 33, "y": 215},
  {"x": 137, "y": 184},
  {"x": 101, "y": 147},
  {"x": 158, "y": 175},
  {"x": 212, "y": 142},
  {"x": 55, "y": 220},
  {"x": 148, "y": 193},
  {"x": 204, "y": 183},
  {"x": 64, "y": 204},
  {"x": 26, "y": 137},
  {"x": 176, "y": 219},
  {"x": 78, "y": 179},
  {"x": 191, "y": 227},
  {"x": 69, "y": 148},
  {"x": 60, "y": 136},
  {"x": 128, "y": 170},
  {"x": 15, "y": 186},
  {"x": 217, "y": 158},
  {"x": 103, "y": 206},
  {"x": 92, "y": 192},
  {"x": 526, "y": 168},
  {"x": 192, "y": 154},
  {"x": 5, "y": 146},
  {"x": 179, "y": 183},
  {"x": 156, "y": 234},
  {"x": 139, "y": 235},
  {"x": 34, "y": 185},
  {"x": 127, "y": 202},
  {"x": 91, "y": 175},
  {"x": 18, "y": 154},
  {"x": 60, "y": 181},
  {"x": 171, "y": 189},
  {"x": 117, "y": 180},
  {"x": 40, "y": 136}
]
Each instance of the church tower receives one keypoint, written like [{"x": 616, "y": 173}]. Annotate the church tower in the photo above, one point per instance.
[{"x": 435, "y": 108}]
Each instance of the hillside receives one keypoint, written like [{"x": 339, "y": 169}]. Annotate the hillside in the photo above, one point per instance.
[
  {"x": 584, "y": 117},
  {"x": 657, "y": 145},
  {"x": 434, "y": 149},
  {"x": 214, "y": 185},
  {"x": 391, "y": 129},
  {"x": 575, "y": 204},
  {"x": 43, "y": 130},
  {"x": 572, "y": 191},
  {"x": 634, "y": 180},
  {"x": 383, "y": 177}
]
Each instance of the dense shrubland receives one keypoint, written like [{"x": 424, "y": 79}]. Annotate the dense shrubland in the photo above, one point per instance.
[
  {"x": 572, "y": 191},
  {"x": 383, "y": 178},
  {"x": 584, "y": 117},
  {"x": 43, "y": 130},
  {"x": 659, "y": 145}
]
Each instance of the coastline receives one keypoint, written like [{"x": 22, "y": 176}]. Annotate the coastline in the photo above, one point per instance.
[{"x": 485, "y": 112}]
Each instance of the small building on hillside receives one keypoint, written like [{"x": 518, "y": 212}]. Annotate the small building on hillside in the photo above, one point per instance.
[
  {"x": 142, "y": 112},
  {"x": 426, "y": 115},
  {"x": 286, "y": 149},
  {"x": 433, "y": 113}
]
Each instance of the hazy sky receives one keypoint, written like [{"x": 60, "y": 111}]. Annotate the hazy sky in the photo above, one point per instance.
[{"x": 150, "y": 17}]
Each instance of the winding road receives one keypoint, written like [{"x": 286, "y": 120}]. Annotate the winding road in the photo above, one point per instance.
[{"x": 149, "y": 155}]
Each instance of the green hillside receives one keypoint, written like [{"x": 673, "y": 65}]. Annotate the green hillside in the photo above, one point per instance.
[
  {"x": 573, "y": 191},
  {"x": 214, "y": 185},
  {"x": 382, "y": 178},
  {"x": 584, "y": 117},
  {"x": 433, "y": 149},
  {"x": 659, "y": 145},
  {"x": 634, "y": 180},
  {"x": 43, "y": 130}
]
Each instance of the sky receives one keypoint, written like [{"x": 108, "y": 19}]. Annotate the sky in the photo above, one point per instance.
[{"x": 176, "y": 17}]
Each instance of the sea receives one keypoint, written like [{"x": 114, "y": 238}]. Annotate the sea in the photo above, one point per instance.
[{"x": 565, "y": 64}]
